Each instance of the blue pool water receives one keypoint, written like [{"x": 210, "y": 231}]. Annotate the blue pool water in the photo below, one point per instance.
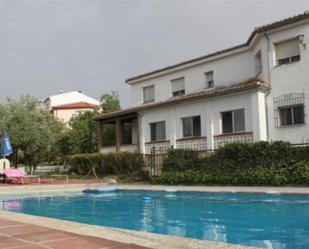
[{"x": 261, "y": 220}]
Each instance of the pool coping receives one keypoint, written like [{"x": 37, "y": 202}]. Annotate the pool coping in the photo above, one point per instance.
[
  {"x": 152, "y": 240},
  {"x": 17, "y": 189}
]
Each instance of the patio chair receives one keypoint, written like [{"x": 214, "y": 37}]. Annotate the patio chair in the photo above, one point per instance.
[{"x": 17, "y": 176}]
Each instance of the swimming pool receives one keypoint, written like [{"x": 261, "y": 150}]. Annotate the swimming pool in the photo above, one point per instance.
[{"x": 261, "y": 220}]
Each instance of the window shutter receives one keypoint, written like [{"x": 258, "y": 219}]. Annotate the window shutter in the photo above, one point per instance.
[
  {"x": 178, "y": 84},
  {"x": 287, "y": 49}
]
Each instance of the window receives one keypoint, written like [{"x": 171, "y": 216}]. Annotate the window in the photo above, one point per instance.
[
  {"x": 148, "y": 94},
  {"x": 157, "y": 131},
  {"x": 127, "y": 132},
  {"x": 191, "y": 126},
  {"x": 209, "y": 79},
  {"x": 287, "y": 52},
  {"x": 178, "y": 87},
  {"x": 233, "y": 121},
  {"x": 292, "y": 115},
  {"x": 109, "y": 134},
  {"x": 258, "y": 63}
]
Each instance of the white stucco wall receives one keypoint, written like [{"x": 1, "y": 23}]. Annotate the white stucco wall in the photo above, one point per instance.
[
  {"x": 289, "y": 78},
  {"x": 65, "y": 115},
  {"x": 259, "y": 108},
  {"x": 227, "y": 71},
  {"x": 209, "y": 111}
]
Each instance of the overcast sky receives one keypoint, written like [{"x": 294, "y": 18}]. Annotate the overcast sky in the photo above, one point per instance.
[{"x": 94, "y": 45}]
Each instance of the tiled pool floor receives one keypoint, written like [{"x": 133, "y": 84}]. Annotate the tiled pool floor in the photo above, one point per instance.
[{"x": 16, "y": 235}]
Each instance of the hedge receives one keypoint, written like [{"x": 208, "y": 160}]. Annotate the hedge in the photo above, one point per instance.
[
  {"x": 106, "y": 164},
  {"x": 259, "y": 163}
]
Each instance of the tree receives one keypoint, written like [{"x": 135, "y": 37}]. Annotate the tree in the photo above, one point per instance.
[
  {"x": 33, "y": 132},
  {"x": 110, "y": 102},
  {"x": 82, "y": 137}
]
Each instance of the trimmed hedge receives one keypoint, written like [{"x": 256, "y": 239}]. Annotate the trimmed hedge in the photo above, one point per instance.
[
  {"x": 259, "y": 163},
  {"x": 106, "y": 164}
]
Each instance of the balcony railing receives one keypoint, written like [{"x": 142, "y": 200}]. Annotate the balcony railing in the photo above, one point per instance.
[
  {"x": 193, "y": 143},
  {"x": 108, "y": 149},
  {"x": 236, "y": 137},
  {"x": 129, "y": 147},
  {"x": 160, "y": 147}
]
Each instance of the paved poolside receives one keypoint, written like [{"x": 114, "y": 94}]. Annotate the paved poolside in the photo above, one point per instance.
[{"x": 19, "y": 235}]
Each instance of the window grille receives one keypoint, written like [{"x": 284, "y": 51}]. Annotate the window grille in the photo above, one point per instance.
[{"x": 286, "y": 100}]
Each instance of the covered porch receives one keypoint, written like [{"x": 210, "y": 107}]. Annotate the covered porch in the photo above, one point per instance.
[{"x": 118, "y": 132}]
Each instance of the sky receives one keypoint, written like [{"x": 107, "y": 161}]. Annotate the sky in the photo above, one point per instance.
[{"x": 95, "y": 45}]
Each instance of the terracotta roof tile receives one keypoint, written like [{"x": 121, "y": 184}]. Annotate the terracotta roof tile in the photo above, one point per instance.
[{"x": 75, "y": 105}]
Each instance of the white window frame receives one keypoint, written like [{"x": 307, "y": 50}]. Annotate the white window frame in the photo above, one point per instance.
[
  {"x": 258, "y": 63},
  {"x": 288, "y": 60},
  {"x": 233, "y": 120},
  {"x": 192, "y": 126},
  {"x": 178, "y": 92},
  {"x": 292, "y": 115},
  {"x": 144, "y": 89},
  {"x": 156, "y": 123},
  {"x": 210, "y": 83}
]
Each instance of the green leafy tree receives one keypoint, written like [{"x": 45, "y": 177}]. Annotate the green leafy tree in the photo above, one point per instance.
[
  {"x": 82, "y": 137},
  {"x": 33, "y": 132},
  {"x": 110, "y": 102}
]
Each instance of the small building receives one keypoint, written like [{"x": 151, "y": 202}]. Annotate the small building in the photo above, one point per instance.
[
  {"x": 67, "y": 104},
  {"x": 258, "y": 90}
]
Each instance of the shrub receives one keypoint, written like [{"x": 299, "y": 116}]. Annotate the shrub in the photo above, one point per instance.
[
  {"x": 181, "y": 160},
  {"x": 121, "y": 163},
  {"x": 299, "y": 173},
  {"x": 259, "y": 163},
  {"x": 105, "y": 164},
  {"x": 81, "y": 164}
]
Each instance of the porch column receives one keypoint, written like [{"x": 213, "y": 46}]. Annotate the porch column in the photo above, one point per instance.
[
  {"x": 259, "y": 124},
  {"x": 118, "y": 133},
  {"x": 141, "y": 133},
  {"x": 100, "y": 135},
  {"x": 138, "y": 132}
]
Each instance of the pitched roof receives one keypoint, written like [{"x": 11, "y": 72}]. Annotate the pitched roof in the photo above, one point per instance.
[
  {"x": 75, "y": 105},
  {"x": 257, "y": 30},
  {"x": 208, "y": 93},
  {"x": 72, "y": 97}
]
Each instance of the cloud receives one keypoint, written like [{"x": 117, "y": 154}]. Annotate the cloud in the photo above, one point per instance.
[{"x": 47, "y": 46}]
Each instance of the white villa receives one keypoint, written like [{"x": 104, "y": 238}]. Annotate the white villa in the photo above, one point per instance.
[
  {"x": 67, "y": 104},
  {"x": 255, "y": 91}
]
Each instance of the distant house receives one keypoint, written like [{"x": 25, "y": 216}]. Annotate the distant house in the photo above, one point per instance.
[
  {"x": 258, "y": 90},
  {"x": 67, "y": 104}
]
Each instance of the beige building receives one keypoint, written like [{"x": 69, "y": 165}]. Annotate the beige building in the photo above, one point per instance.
[{"x": 67, "y": 104}]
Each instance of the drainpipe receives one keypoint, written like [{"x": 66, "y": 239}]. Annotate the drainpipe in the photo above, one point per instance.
[
  {"x": 268, "y": 76},
  {"x": 268, "y": 52},
  {"x": 140, "y": 134}
]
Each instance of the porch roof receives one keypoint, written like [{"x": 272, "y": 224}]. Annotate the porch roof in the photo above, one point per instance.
[{"x": 207, "y": 93}]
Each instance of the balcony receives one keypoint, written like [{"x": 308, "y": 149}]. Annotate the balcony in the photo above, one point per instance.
[
  {"x": 193, "y": 143},
  {"x": 159, "y": 147},
  {"x": 235, "y": 137}
]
